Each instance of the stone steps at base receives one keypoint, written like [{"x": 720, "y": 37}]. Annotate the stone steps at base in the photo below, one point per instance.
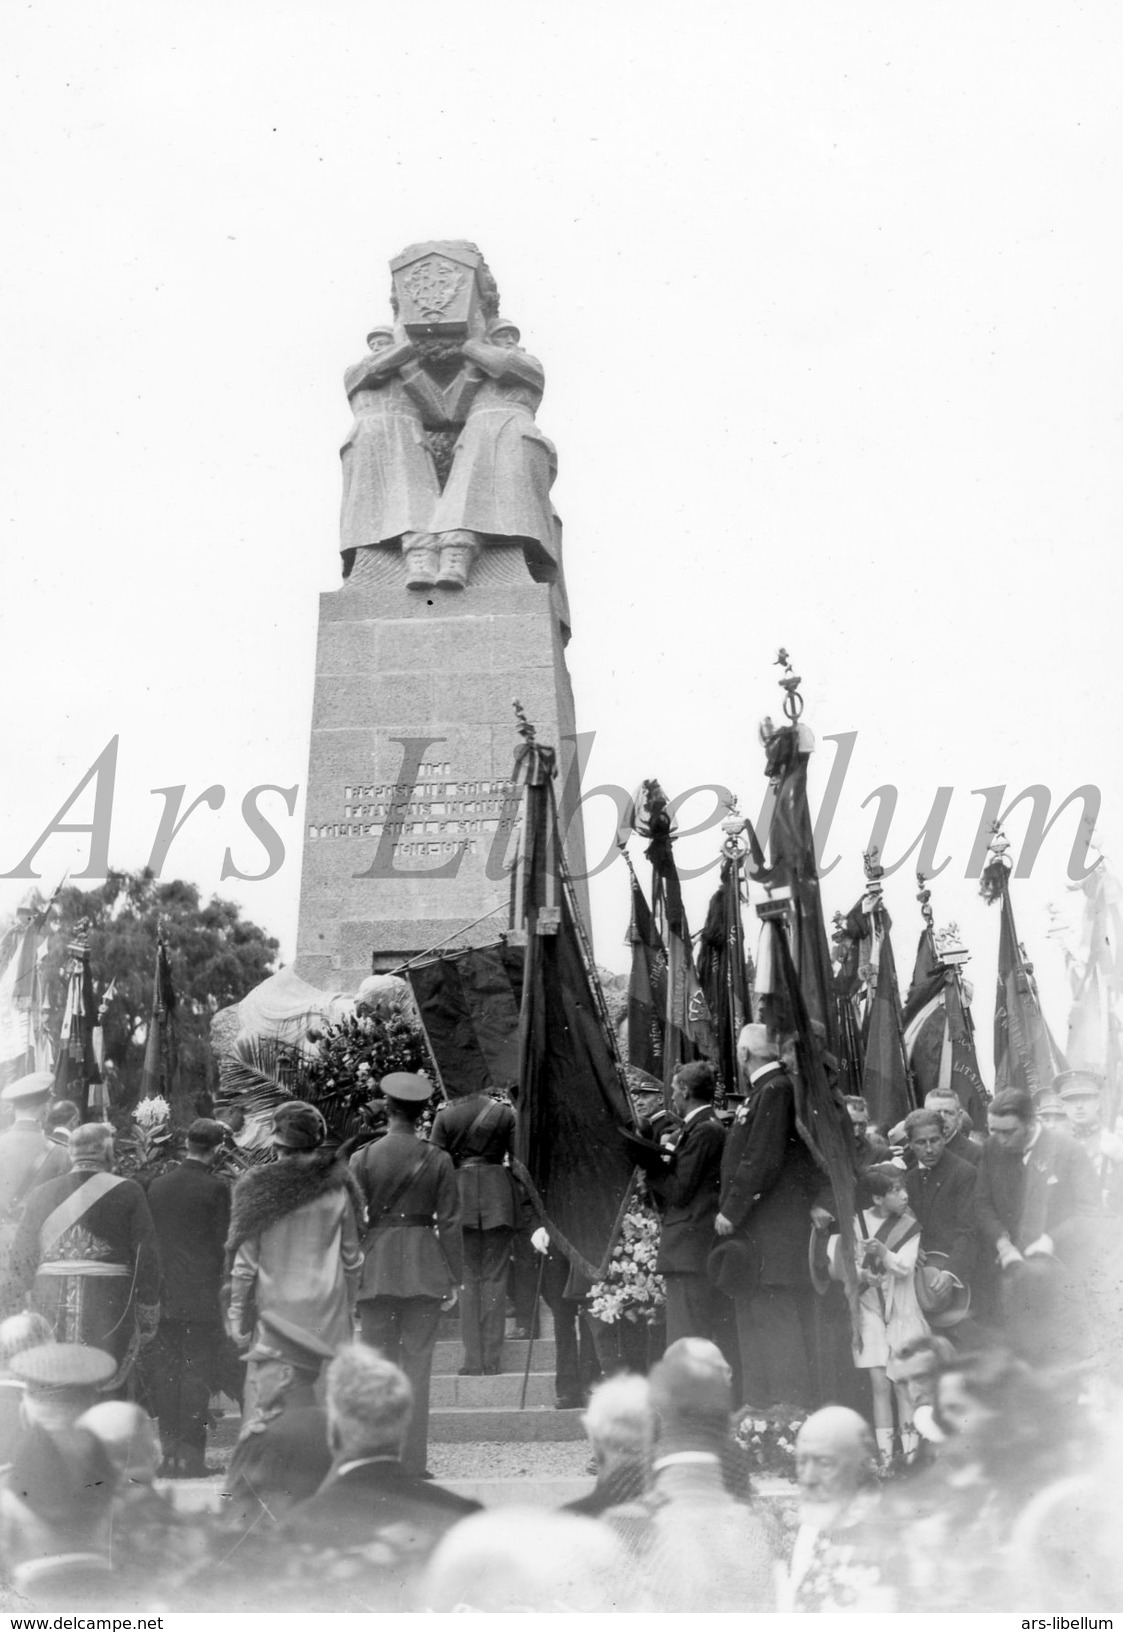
[
  {"x": 448, "y": 1356},
  {"x": 459, "y": 1424},
  {"x": 503, "y": 1391}
]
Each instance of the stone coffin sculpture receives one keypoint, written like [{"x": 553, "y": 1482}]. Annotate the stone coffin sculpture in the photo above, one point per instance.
[{"x": 444, "y": 456}]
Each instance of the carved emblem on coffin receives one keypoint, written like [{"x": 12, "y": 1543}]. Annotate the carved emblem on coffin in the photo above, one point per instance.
[{"x": 436, "y": 288}]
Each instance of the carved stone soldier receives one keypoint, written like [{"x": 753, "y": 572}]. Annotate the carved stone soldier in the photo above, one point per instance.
[
  {"x": 389, "y": 478},
  {"x": 503, "y": 467}
]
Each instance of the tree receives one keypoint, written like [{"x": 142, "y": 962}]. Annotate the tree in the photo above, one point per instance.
[{"x": 216, "y": 957}]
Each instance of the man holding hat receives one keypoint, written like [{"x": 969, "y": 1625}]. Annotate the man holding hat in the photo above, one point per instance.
[
  {"x": 27, "y": 1157},
  {"x": 1081, "y": 1094},
  {"x": 192, "y": 1356},
  {"x": 414, "y": 1254},
  {"x": 294, "y": 1256}
]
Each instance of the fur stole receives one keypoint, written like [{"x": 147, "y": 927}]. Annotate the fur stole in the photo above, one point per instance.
[{"x": 265, "y": 1195}]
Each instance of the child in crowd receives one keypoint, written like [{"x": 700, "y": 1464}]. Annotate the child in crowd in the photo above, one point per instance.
[{"x": 886, "y": 1249}]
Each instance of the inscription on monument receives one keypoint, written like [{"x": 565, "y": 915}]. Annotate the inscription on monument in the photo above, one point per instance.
[{"x": 433, "y": 815}]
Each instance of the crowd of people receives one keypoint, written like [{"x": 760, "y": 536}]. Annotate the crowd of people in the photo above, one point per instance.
[{"x": 957, "y": 1442}]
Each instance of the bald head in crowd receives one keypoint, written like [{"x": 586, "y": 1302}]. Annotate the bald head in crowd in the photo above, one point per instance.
[
  {"x": 834, "y": 1451},
  {"x": 690, "y": 1392}
]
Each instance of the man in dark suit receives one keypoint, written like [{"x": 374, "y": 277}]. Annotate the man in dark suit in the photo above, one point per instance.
[
  {"x": 192, "y": 1356},
  {"x": 478, "y": 1132},
  {"x": 692, "y": 1190},
  {"x": 1039, "y": 1215},
  {"x": 945, "y": 1102},
  {"x": 941, "y": 1192},
  {"x": 769, "y": 1182},
  {"x": 359, "y": 1542},
  {"x": 413, "y": 1256}
]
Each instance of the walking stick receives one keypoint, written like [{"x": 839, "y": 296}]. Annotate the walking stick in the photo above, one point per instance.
[{"x": 530, "y": 1328}]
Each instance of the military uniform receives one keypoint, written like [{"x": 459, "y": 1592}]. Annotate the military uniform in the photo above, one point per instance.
[
  {"x": 478, "y": 1133},
  {"x": 413, "y": 1258},
  {"x": 27, "y": 1157}
]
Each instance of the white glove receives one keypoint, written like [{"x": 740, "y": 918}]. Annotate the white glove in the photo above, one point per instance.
[{"x": 540, "y": 1240}]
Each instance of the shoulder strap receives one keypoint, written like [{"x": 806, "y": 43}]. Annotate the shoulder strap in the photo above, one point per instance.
[
  {"x": 896, "y": 1231},
  {"x": 74, "y": 1207},
  {"x": 490, "y": 1110},
  {"x": 401, "y": 1185}
]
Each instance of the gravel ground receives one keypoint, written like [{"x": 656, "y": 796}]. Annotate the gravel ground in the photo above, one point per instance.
[{"x": 568, "y": 1460}]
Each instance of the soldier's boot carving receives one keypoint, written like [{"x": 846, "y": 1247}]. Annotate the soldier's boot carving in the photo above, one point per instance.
[
  {"x": 459, "y": 550},
  {"x": 422, "y": 560}
]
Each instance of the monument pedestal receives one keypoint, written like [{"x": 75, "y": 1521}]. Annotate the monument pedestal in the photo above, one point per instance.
[{"x": 411, "y": 811}]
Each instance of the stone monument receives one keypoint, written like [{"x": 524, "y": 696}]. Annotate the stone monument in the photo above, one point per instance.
[{"x": 452, "y": 606}]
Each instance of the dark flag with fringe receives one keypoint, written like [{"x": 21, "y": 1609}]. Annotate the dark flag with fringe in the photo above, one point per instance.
[
  {"x": 886, "y": 1084},
  {"x": 572, "y": 1109},
  {"x": 723, "y": 972},
  {"x": 688, "y": 1028},
  {"x": 76, "y": 1066},
  {"x": 821, "y": 1117},
  {"x": 1025, "y": 1055},
  {"x": 647, "y": 987},
  {"x": 469, "y": 1006},
  {"x": 939, "y": 1039},
  {"x": 160, "y": 1052},
  {"x": 792, "y": 847}
]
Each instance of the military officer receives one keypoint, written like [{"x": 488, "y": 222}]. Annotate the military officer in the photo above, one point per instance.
[
  {"x": 412, "y": 1254},
  {"x": 27, "y": 1157},
  {"x": 478, "y": 1132}
]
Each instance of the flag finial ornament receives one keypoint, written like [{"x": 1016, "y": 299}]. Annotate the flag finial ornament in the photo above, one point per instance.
[
  {"x": 996, "y": 872},
  {"x": 734, "y": 844},
  {"x": 924, "y": 896},
  {"x": 525, "y": 729},
  {"x": 790, "y": 681}
]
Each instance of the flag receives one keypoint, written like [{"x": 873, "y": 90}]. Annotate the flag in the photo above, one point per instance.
[
  {"x": 76, "y": 1067},
  {"x": 572, "y": 1108},
  {"x": 22, "y": 1045},
  {"x": 1025, "y": 1055},
  {"x": 846, "y": 942},
  {"x": 158, "y": 1075},
  {"x": 688, "y": 1028},
  {"x": 723, "y": 973},
  {"x": 792, "y": 849},
  {"x": 939, "y": 1035},
  {"x": 647, "y": 986},
  {"x": 821, "y": 1117},
  {"x": 1094, "y": 1036},
  {"x": 886, "y": 1084},
  {"x": 468, "y": 1002}
]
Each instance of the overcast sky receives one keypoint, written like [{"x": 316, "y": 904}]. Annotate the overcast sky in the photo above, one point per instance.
[{"x": 828, "y": 302}]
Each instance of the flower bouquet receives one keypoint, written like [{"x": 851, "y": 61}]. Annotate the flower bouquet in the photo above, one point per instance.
[
  {"x": 769, "y": 1438},
  {"x": 631, "y": 1298}
]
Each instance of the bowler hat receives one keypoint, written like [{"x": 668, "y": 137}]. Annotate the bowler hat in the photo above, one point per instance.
[
  {"x": 408, "y": 1086},
  {"x": 298, "y": 1126}
]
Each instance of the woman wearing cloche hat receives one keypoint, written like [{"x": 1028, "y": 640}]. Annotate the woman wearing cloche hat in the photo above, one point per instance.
[{"x": 294, "y": 1255}]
